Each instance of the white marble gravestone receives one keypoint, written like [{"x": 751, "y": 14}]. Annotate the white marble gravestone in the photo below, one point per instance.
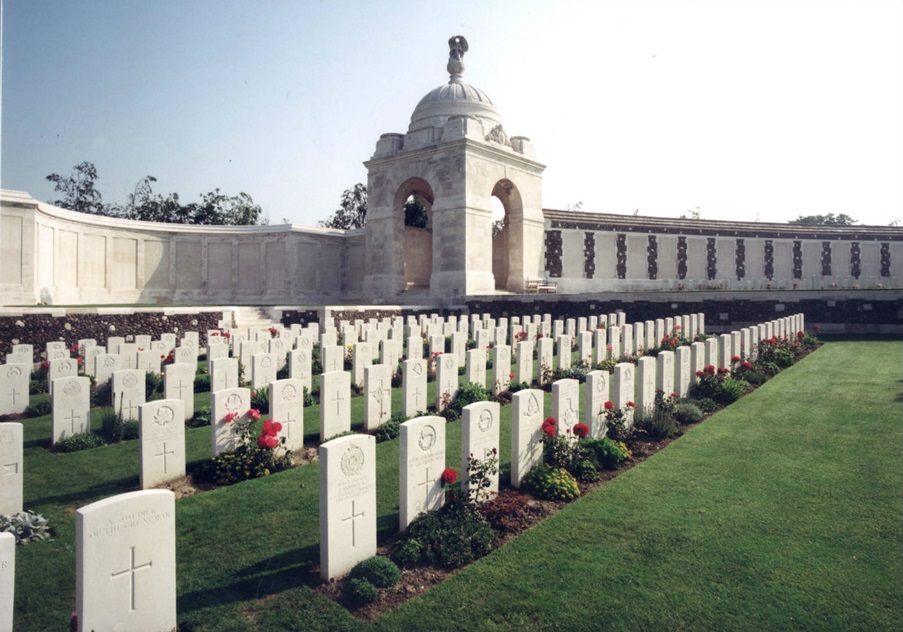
[
  {"x": 361, "y": 358},
  {"x": 526, "y": 432},
  {"x": 125, "y": 559},
  {"x": 128, "y": 351},
  {"x": 105, "y": 364},
  {"x": 217, "y": 350},
  {"x": 287, "y": 407},
  {"x": 725, "y": 351},
  {"x": 71, "y": 401},
  {"x": 682, "y": 372},
  {"x": 614, "y": 342},
  {"x": 14, "y": 383},
  {"x": 697, "y": 360},
  {"x": 545, "y": 357},
  {"x": 413, "y": 387},
  {"x": 128, "y": 392},
  {"x": 525, "y": 362},
  {"x": 178, "y": 383},
  {"x": 335, "y": 404},
  {"x": 421, "y": 462},
  {"x": 646, "y": 379},
  {"x": 149, "y": 361},
  {"x": 168, "y": 339},
  {"x": 377, "y": 395},
  {"x": 7, "y": 580},
  {"x": 223, "y": 374},
  {"x": 597, "y": 393},
  {"x": 566, "y": 404},
  {"x": 19, "y": 357},
  {"x": 187, "y": 355},
  {"x": 600, "y": 345},
  {"x": 300, "y": 367},
  {"x": 664, "y": 380},
  {"x": 711, "y": 352},
  {"x": 332, "y": 358},
  {"x": 161, "y": 440},
  {"x": 263, "y": 370},
  {"x": 563, "y": 343},
  {"x": 475, "y": 372},
  {"x": 11, "y": 468},
  {"x": 64, "y": 367},
  {"x": 446, "y": 380},
  {"x": 501, "y": 368},
  {"x": 347, "y": 503},
  {"x": 113, "y": 343},
  {"x": 278, "y": 348},
  {"x": 414, "y": 347},
  {"x": 480, "y": 425},
  {"x": 230, "y": 401},
  {"x": 585, "y": 347},
  {"x": 622, "y": 384}
]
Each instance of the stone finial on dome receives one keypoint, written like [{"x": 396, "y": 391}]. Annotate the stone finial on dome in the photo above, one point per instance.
[{"x": 457, "y": 46}]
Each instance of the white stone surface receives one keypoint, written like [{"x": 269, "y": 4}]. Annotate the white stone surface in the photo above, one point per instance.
[
  {"x": 12, "y": 466},
  {"x": 664, "y": 380},
  {"x": 347, "y": 503},
  {"x": 526, "y": 432},
  {"x": 525, "y": 362},
  {"x": 178, "y": 383},
  {"x": 105, "y": 364},
  {"x": 300, "y": 366},
  {"x": 335, "y": 404},
  {"x": 646, "y": 379},
  {"x": 332, "y": 358},
  {"x": 128, "y": 392},
  {"x": 125, "y": 558},
  {"x": 128, "y": 351},
  {"x": 71, "y": 402},
  {"x": 566, "y": 404},
  {"x": 682, "y": 371},
  {"x": 597, "y": 388},
  {"x": 545, "y": 358},
  {"x": 263, "y": 370},
  {"x": 475, "y": 372},
  {"x": 361, "y": 358},
  {"x": 65, "y": 367},
  {"x": 446, "y": 380},
  {"x": 217, "y": 351},
  {"x": 622, "y": 384},
  {"x": 421, "y": 462},
  {"x": 480, "y": 425},
  {"x": 161, "y": 441},
  {"x": 223, "y": 374},
  {"x": 7, "y": 580},
  {"x": 186, "y": 355},
  {"x": 501, "y": 366},
  {"x": 377, "y": 395},
  {"x": 223, "y": 403},
  {"x": 14, "y": 383},
  {"x": 287, "y": 407},
  {"x": 413, "y": 387}
]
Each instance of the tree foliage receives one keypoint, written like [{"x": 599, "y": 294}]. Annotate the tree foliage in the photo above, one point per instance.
[
  {"x": 841, "y": 219},
  {"x": 79, "y": 193},
  {"x": 352, "y": 211},
  {"x": 415, "y": 213}
]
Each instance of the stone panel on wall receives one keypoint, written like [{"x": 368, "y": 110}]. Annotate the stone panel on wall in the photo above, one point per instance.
[
  {"x": 46, "y": 264},
  {"x": 219, "y": 265},
  {"x": 11, "y": 249},
  {"x": 92, "y": 261},
  {"x": 188, "y": 265},
  {"x": 66, "y": 251},
  {"x": 156, "y": 264},
  {"x": 125, "y": 263},
  {"x": 275, "y": 266},
  {"x": 248, "y": 266}
]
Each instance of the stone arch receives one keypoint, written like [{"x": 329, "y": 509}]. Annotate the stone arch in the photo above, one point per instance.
[
  {"x": 508, "y": 242},
  {"x": 417, "y": 242}
]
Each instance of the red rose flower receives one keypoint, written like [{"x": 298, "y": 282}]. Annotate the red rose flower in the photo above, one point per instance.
[
  {"x": 735, "y": 358},
  {"x": 254, "y": 414},
  {"x": 631, "y": 404},
  {"x": 746, "y": 365},
  {"x": 800, "y": 334},
  {"x": 609, "y": 405},
  {"x": 674, "y": 395},
  {"x": 699, "y": 373},
  {"x": 230, "y": 417},
  {"x": 449, "y": 476},
  {"x": 549, "y": 430},
  {"x": 722, "y": 371},
  {"x": 581, "y": 430},
  {"x": 227, "y": 334},
  {"x": 271, "y": 428},
  {"x": 511, "y": 375},
  {"x": 267, "y": 441},
  {"x": 45, "y": 365}
]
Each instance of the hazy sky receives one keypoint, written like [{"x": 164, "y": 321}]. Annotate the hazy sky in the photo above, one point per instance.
[{"x": 742, "y": 110}]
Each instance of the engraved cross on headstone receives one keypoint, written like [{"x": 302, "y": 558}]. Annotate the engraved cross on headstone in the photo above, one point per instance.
[
  {"x": 289, "y": 420},
  {"x": 164, "y": 454},
  {"x": 380, "y": 396},
  {"x": 338, "y": 401},
  {"x": 11, "y": 469},
  {"x": 417, "y": 398},
  {"x": 181, "y": 387},
  {"x": 134, "y": 569},
  {"x": 427, "y": 486},
  {"x": 131, "y": 408},
  {"x": 352, "y": 518},
  {"x": 72, "y": 418},
  {"x": 13, "y": 394}
]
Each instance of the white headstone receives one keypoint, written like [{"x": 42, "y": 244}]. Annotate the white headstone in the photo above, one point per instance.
[
  {"x": 645, "y": 384},
  {"x": 216, "y": 351},
  {"x": 187, "y": 355},
  {"x": 228, "y": 405},
  {"x": 597, "y": 393},
  {"x": 476, "y": 367},
  {"x": 682, "y": 370},
  {"x": 128, "y": 351},
  {"x": 223, "y": 374},
  {"x": 11, "y": 468},
  {"x": 66, "y": 367},
  {"x": 105, "y": 364},
  {"x": 113, "y": 343},
  {"x": 501, "y": 367},
  {"x": 335, "y": 404},
  {"x": 7, "y": 580},
  {"x": 377, "y": 395},
  {"x": 421, "y": 462},
  {"x": 149, "y": 361},
  {"x": 300, "y": 366},
  {"x": 287, "y": 407},
  {"x": 614, "y": 342},
  {"x": 125, "y": 559},
  {"x": 128, "y": 392},
  {"x": 161, "y": 437},
  {"x": 566, "y": 404},
  {"x": 413, "y": 387},
  {"x": 14, "y": 383},
  {"x": 479, "y": 437},
  {"x": 263, "y": 370},
  {"x": 347, "y": 503},
  {"x": 71, "y": 401},
  {"x": 525, "y": 362},
  {"x": 178, "y": 383},
  {"x": 415, "y": 347},
  {"x": 332, "y": 358},
  {"x": 446, "y": 380},
  {"x": 665, "y": 373},
  {"x": 622, "y": 384},
  {"x": 697, "y": 359},
  {"x": 545, "y": 357},
  {"x": 526, "y": 432}
]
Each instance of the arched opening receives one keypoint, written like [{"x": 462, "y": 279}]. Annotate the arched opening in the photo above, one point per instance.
[
  {"x": 414, "y": 207},
  {"x": 507, "y": 220}
]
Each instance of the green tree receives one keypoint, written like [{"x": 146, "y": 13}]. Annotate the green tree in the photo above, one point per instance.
[
  {"x": 78, "y": 190},
  {"x": 841, "y": 219},
  {"x": 415, "y": 213},
  {"x": 352, "y": 211}
]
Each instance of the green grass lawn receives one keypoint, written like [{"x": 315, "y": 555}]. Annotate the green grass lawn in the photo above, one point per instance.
[{"x": 782, "y": 511}]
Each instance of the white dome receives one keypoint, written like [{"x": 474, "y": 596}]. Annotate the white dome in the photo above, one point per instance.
[{"x": 453, "y": 99}]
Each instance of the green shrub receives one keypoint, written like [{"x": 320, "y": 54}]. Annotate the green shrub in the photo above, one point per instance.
[
  {"x": 551, "y": 483},
  {"x": 517, "y": 386},
  {"x": 706, "y": 404},
  {"x": 378, "y": 570},
  {"x": 129, "y": 430},
  {"x": 36, "y": 387},
  {"x": 606, "y": 453},
  {"x": 452, "y": 536},
  {"x": 308, "y": 398},
  {"x": 687, "y": 413},
  {"x": 153, "y": 385},
  {"x": 408, "y": 553},
  {"x": 468, "y": 393},
  {"x": 113, "y": 428},
  {"x": 79, "y": 441},
  {"x": 26, "y": 526},
  {"x": 360, "y": 592},
  {"x": 250, "y": 459},
  {"x": 731, "y": 390},
  {"x": 390, "y": 429},
  {"x": 657, "y": 424},
  {"x": 605, "y": 365},
  {"x": 201, "y": 418},
  {"x": 753, "y": 376},
  {"x": 39, "y": 409},
  {"x": 102, "y": 394},
  {"x": 260, "y": 399},
  {"x": 202, "y": 383},
  {"x": 585, "y": 471}
]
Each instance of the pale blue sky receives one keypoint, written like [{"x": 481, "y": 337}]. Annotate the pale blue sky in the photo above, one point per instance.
[{"x": 745, "y": 110}]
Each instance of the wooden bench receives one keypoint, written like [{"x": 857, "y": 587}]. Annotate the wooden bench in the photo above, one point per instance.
[{"x": 541, "y": 286}]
